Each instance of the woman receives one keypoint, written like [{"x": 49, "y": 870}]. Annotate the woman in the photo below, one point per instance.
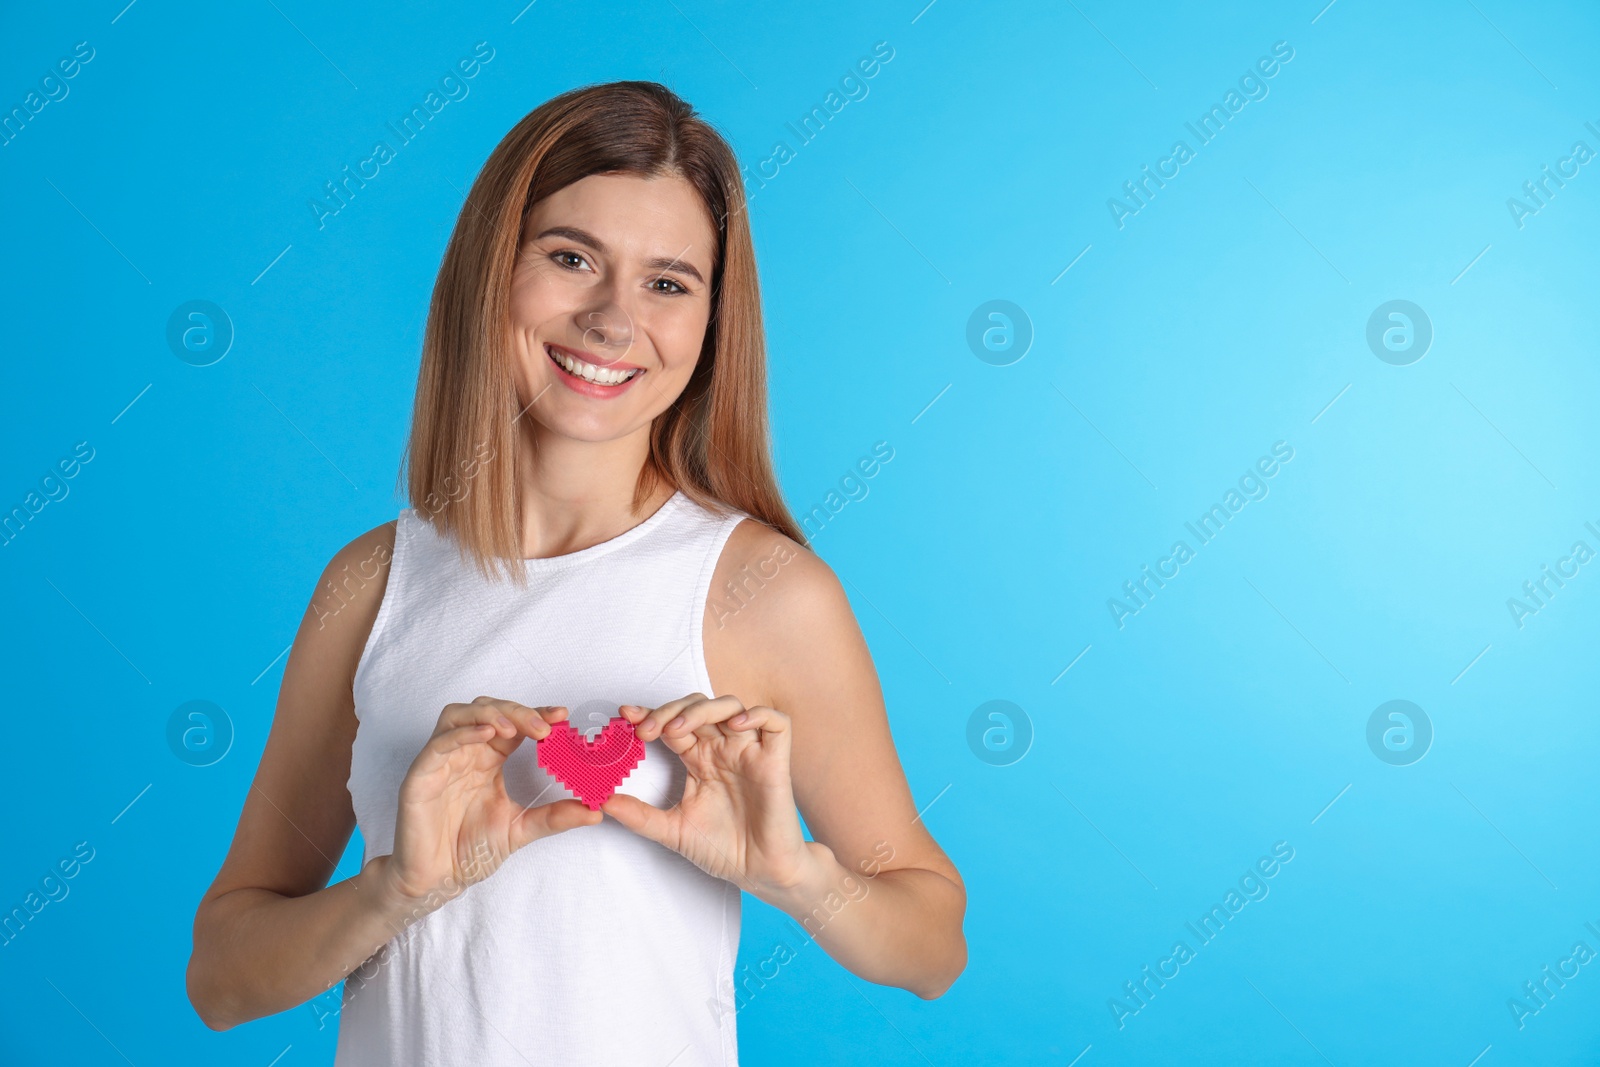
[{"x": 597, "y": 530}]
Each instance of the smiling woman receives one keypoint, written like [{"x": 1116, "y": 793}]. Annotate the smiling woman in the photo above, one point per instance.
[{"x": 594, "y": 349}]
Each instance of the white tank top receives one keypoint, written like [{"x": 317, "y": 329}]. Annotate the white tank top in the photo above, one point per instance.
[{"x": 594, "y": 946}]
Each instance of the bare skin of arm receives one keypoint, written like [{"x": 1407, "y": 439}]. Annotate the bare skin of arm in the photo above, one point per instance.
[
  {"x": 883, "y": 899},
  {"x": 879, "y": 896},
  {"x": 271, "y": 933},
  {"x": 267, "y": 934}
]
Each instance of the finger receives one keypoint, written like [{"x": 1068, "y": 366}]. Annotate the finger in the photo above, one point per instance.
[
  {"x": 536, "y": 722},
  {"x": 696, "y": 717},
  {"x": 697, "y": 723},
  {"x": 442, "y": 745},
  {"x": 767, "y": 720},
  {"x": 484, "y": 710},
  {"x": 532, "y": 722},
  {"x": 701, "y": 722},
  {"x": 771, "y": 727},
  {"x": 529, "y": 723},
  {"x": 759, "y": 725},
  {"x": 646, "y": 820},
  {"x": 506, "y": 706},
  {"x": 547, "y": 819},
  {"x": 455, "y": 715},
  {"x": 650, "y": 726}
]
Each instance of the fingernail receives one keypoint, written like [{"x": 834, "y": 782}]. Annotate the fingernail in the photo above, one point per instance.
[
  {"x": 507, "y": 723},
  {"x": 675, "y": 723},
  {"x": 741, "y": 717}
]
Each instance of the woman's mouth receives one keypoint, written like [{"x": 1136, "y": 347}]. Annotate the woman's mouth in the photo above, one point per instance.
[{"x": 592, "y": 379}]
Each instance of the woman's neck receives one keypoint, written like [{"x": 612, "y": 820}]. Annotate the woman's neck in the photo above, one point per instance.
[{"x": 576, "y": 494}]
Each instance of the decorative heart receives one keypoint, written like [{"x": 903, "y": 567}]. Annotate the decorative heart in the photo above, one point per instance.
[{"x": 591, "y": 769}]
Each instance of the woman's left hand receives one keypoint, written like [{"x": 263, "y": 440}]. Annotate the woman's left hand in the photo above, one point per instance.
[{"x": 737, "y": 817}]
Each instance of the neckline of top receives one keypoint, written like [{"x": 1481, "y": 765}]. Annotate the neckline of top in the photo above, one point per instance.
[
  {"x": 626, "y": 537},
  {"x": 584, "y": 555}
]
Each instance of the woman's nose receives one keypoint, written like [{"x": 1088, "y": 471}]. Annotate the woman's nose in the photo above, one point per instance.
[{"x": 607, "y": 328}]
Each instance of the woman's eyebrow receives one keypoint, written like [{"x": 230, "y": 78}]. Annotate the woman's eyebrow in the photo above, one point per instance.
[
  {"x": 675, "y": 263},
  {"x": 573, "y": 233}
]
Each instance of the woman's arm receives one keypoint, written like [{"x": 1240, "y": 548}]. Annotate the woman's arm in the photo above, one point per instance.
[
  {"x": 267, "y": 934},
  {"x": 882, "y": 898}
]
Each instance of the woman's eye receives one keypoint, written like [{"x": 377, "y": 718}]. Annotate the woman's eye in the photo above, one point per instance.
[
  {"x": 570, "y": 260},
  {"x": 674, "y": 287}
]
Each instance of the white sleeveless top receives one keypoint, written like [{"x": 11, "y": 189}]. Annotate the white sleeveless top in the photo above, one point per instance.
[{"x": 592, "y": 947}]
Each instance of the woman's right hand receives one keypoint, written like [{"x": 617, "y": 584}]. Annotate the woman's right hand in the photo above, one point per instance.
[{"x": 455, "y": 824}]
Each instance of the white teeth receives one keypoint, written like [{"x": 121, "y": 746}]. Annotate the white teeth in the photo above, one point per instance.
[{"x": 589, "y": 372}]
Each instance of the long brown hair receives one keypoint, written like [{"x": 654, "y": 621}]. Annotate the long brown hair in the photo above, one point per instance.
[{"x": 712, "y": 443}]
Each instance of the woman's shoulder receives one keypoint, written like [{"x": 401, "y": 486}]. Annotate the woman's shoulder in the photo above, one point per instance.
[
  {"x": 364, "y": 562},
  {"x": 344, "y": 606},
  {"x": 770, "y": 599},
  {"x": 757, "y": 554},
  {"x": 374, "y": 543}
]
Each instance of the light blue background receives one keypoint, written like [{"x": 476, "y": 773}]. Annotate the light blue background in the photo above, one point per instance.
[{"x": 1225, "y": 316}]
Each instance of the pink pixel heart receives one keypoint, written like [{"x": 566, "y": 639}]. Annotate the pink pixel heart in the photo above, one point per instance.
[{"x": 591, "y": 769}]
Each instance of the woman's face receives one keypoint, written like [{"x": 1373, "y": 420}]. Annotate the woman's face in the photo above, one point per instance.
[{"x": 610, "y": 298}]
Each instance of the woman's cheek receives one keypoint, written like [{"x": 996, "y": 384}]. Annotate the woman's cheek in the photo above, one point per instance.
[{"x": 689, "y": 336}]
